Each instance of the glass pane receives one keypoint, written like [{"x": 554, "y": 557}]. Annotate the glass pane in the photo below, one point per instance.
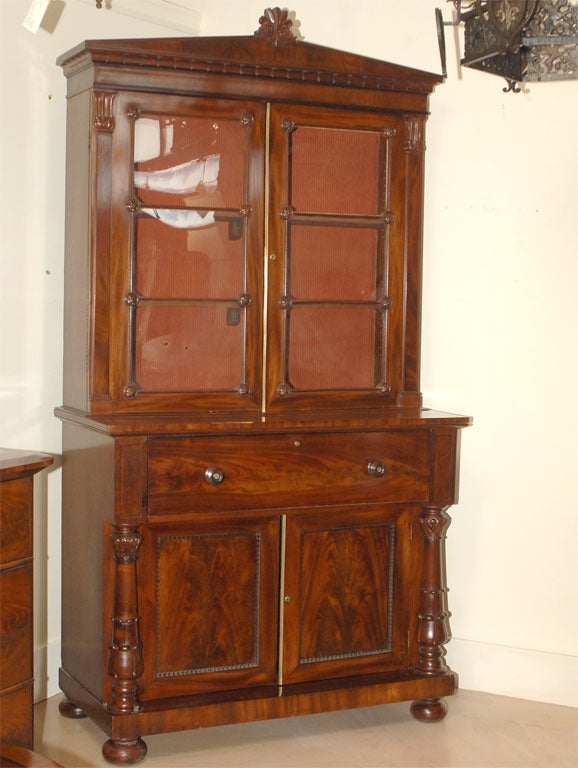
[
  {"x": 194, "y": 161},
  {"x": 205, "y": 261},
  {"x": 334, "y": 170},
  {"x": 333, "y": 263},
  {"x": 180, "y": 349},
  {"x": 332, "y": 348}
]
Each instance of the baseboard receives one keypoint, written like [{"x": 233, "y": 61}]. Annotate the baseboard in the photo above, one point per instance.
[
  {"x": 517, "y": 672},
  {"x": 46, "y": 665}
]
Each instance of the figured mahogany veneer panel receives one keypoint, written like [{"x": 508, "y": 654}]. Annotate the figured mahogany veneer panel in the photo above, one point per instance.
[
  {"x": 215, "y": 608},
  {"x": 285, "y": 470},
  {"x": 192, "y": 602},
  {"x": 340, "y": 615},
  {"x": 349, "y": 618}
]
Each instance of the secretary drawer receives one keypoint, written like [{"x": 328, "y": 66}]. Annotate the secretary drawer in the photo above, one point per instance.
[
  {"x": 15, "y": 520},
  {"x": 189, "y": 474}
]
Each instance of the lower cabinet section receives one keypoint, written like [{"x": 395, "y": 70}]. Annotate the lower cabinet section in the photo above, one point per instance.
[
  {"x": 217, "y": 609},
  {"x": 234, "y": 601}
]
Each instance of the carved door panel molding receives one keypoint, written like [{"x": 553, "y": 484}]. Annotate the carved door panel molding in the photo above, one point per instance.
[
  {"x": 212, "y": 624},
  {"x": 346, "y": 592}
]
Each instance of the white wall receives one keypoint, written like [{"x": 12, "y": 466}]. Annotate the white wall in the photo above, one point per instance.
[{"x": 499, "y": 325}]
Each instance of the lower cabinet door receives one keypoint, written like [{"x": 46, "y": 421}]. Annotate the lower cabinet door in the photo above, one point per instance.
[
  {"x": 346, "y": 592},
  {"x": 208, "y": 595}
]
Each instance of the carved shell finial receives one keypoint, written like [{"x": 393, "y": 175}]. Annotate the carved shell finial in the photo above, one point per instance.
[{"x": 276, "y": 27}]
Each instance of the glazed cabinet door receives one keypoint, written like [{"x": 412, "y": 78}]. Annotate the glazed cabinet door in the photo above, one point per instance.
[
  {"x": 336, "y": 242},
  {"x": 187, "y": 187},
  {"x": 346, "y": 592},
  {"x": 209, "y": 604}
]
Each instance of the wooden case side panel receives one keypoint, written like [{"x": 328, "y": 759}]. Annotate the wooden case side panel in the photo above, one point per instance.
[
  {"x": 445, "y": 467},
  {"x": 87, "y": 502},
  {"x": 77, "y": 267}
]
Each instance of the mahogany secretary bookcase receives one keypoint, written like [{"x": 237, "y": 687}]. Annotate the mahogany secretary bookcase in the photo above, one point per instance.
[{"x": 254, "y": 500}]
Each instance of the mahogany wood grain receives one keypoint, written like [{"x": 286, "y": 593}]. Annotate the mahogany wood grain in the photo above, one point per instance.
[{"x": 294, "y": 470}]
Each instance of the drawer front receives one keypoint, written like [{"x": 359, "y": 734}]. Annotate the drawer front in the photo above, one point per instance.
[
  {"x": 16, "y": 625},
  {"x": 206, "y": 474},
  {"x": 15, "y": 520},
  {"x": 16, "y": 717}
]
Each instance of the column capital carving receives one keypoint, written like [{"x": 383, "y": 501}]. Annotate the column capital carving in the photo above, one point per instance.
[
  {"x": 125, "y": 545},
  {"x": 103, "y": 119}
]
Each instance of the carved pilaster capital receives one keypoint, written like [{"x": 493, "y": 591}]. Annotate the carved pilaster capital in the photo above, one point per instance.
[
  {"x": 125, "y": 545},
  {"x": 414, "y": 134},
  {"x": 434, "y": 524},
  {"x": 103, "y": 119}
]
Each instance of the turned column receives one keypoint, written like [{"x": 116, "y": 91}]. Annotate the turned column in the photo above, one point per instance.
[
  {"x": 433, "y": 615},
  {"x": 125, "y": 661}
]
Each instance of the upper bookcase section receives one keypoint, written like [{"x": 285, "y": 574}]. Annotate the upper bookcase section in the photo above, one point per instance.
[{"x": 259, "y": 66}]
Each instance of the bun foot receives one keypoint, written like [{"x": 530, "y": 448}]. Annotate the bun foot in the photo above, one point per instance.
[
  {"x": 124, "y": 752},
  {"x": 429, "y": 710},
  {"x": 71, "y": 710}
]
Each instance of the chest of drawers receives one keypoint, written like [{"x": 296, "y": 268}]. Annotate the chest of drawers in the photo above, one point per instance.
[{"x": 17, "y": 470}]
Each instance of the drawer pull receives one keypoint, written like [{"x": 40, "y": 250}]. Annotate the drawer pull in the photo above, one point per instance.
[
  {"x": 214, "y": 475},
  {"x": 375, "y": 468}
]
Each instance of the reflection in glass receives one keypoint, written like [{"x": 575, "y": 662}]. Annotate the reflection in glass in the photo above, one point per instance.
[
  {"x": 183, "y": 160},
  {"x": 189, "y": 251},
  {"x": 183, "y": 179}
]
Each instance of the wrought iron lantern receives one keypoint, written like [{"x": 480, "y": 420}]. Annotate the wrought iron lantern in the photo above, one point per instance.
[{"x": 520, "y": 40}]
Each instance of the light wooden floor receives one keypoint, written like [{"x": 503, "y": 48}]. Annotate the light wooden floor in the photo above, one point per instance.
[{"x": 480, "y": 731}]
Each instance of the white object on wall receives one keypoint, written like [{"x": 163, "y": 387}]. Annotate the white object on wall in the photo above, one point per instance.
[{"x": 33, "y": 18}]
